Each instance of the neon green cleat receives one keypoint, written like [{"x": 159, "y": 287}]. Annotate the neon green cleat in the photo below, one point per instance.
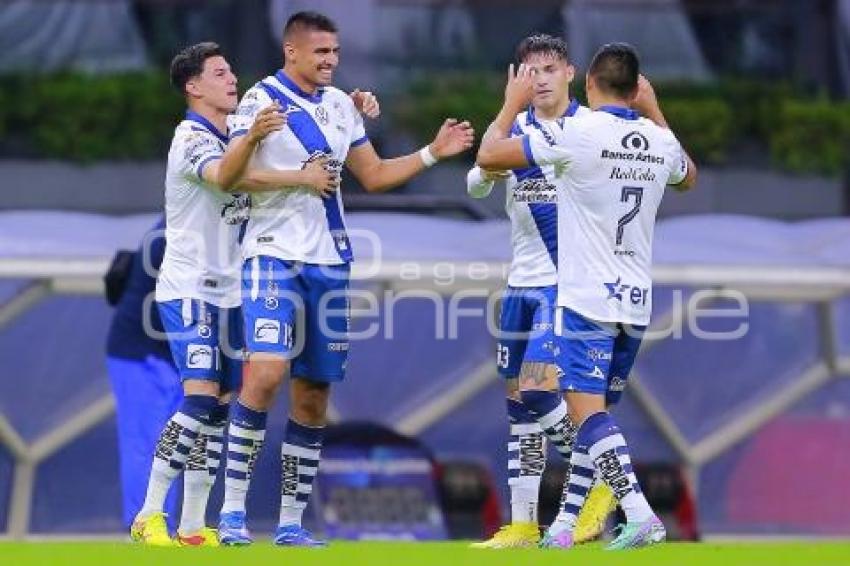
[
  {"x": 637, "y": 535},
  {"x": 515, "y": 535},
  {"x": 591, "y": 520},
  {"x": 151, "y": 531},
  {"x": 205, "y": 537}
]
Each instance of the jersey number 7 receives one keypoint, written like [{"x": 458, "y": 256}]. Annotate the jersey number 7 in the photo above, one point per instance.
[{"x": 626, "y": 194}]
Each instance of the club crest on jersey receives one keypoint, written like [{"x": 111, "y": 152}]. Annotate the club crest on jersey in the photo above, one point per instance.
[{"x": 322, "y": 115}]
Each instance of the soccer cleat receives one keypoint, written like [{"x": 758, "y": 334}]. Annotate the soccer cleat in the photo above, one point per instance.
[
  {"x": 636, "y": 535},
  {"x": 205, "y": 537},
  {"x": 151, "y": 530},
  {"x": 591, "y": 521},
  {"x": 557, "y": 537},
  {"x": 296, "y": 535},
  {"x": 515, "y": 535},
  {"x": 232, "y": 530}
]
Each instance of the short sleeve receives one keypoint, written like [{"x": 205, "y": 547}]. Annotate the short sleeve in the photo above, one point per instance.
[
  {"x": 358, "y": 130},
  {"x": 678, "y": 163},
  {"x": 252, "y": 102},
  {"x": 539, "y": 151},
  {"x": 197, "y": 149}
]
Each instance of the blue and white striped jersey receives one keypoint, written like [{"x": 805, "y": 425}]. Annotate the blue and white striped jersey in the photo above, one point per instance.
[
  {"x": 531, "y": 205},
  {"x": 202, "y": 223},
  {"x": 296, "y": 224}
]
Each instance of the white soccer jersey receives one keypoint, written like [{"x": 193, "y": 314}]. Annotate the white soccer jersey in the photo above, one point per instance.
[
  {"x": 297, "y": 224},
  {"x": 530, "y": 204},
  {"x": 202, "y": 223},
  {"x": 613, "y": 167}
]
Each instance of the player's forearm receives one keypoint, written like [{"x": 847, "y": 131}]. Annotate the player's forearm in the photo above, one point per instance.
[
  {"x": 233, "y": 164},
  {"x": 500, "y": 128},
  {"x": 259, "y": 180},
  {"x": 387, "y": 174},
  {"x": 477, "y": 184},
  {"x": 657, "y": 116}
]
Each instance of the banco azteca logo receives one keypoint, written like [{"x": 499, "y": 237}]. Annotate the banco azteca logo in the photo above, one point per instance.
[{"x": 635, "y": 141}]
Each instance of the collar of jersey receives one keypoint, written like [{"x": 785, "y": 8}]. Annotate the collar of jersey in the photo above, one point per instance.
[
  {"x": 531, "y": 117},
  {"x": 620, "y": 112},
  {"x": 290, "y": 84},
  {"x": 193, "y": 116}
]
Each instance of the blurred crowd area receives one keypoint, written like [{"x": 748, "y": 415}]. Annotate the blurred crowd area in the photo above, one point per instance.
[
  {"x": 757, "y": 90},
  {"x": 733, "y": 69}
]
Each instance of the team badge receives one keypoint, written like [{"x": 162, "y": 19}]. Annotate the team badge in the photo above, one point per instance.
[{"x": 322, "y": 115}]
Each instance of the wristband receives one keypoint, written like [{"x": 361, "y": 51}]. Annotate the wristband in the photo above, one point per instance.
[{"x": 427, "y": 157}]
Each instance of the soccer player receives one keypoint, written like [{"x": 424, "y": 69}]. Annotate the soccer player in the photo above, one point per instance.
[
  {"x": 295, "y": 277},
  {"x": 525, "y": 355},
  {"x": 198, "y": 291},
  {"x": 612, "y": 167}
]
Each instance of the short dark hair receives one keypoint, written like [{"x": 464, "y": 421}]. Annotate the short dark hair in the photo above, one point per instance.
[
  {"x": 616, "y": 67},
  {"x": 541, "y": 43},
  {"x": 308, "y": 20},
  {"x": 189, "y": 63}
]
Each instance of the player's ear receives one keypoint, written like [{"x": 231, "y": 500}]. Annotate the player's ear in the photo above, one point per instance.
[
  {"x": 192, "y": 89},
  {"x": 571, "y": 73},
  {"x": 288, "y": 51}
]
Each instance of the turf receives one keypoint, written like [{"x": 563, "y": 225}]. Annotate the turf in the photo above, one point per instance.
[{"x": 423, "y": 554}]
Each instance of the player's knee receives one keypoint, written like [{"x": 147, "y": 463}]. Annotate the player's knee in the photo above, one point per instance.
[
  {"x": 264, "y": 376},
  {"x": 201, "y": 387},
  {"x": 512, "y": 388},
  {"x": 540, "y": 402},
  {"x": 310, "y": 402}
]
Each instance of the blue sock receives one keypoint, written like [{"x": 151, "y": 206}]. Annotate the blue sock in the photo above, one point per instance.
[
  {"x": 245, "y": 436},
  {"x": 299, "y": 453},
  {"x": 610, "y": 455},
  {"x": 526, "y": 460}
]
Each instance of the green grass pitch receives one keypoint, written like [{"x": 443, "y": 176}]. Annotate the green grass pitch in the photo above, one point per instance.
[{"x": 422, "y": 554}]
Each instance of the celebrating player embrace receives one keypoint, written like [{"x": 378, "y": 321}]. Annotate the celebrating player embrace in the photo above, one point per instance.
[
  {"x": 298, "y": 255},
  {"x": 525, "y": 354},
  {"x": 612, "y": 167}
]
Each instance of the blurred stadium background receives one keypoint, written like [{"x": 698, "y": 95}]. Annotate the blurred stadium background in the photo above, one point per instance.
[{"x": 741, "y": 437}]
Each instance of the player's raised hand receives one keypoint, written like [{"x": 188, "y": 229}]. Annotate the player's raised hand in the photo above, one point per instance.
[
  {"x": 319, "y": 177},
  {"x": 454, "y": 137},
  {"x": 519, "y": 89},
  {"x": 366, "y": 103},
  {"x": 645, "y": 101},
  {"x": 269, "y": 119}
]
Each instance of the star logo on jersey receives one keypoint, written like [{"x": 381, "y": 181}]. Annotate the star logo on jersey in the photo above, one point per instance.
[
  {"x": 615, "y": 289},
  {"x": 597, "y": 373},
  {"x": 633, "y": 294},
  {"x": 322, "y": 115}
]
